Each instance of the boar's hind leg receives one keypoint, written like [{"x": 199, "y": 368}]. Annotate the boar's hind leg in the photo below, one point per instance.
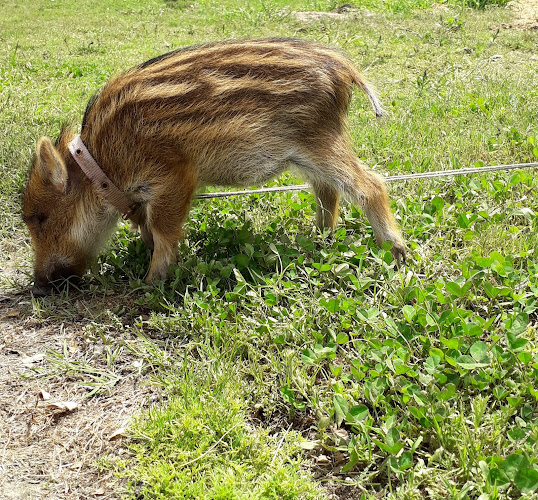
[
  {"x": 163, "y": 227},
  {"x": 377, "y": 209},
  {"x": 368, "y": 189},
  {"x": 327, "y": 200},
  {"x": 342, "y": 172}
]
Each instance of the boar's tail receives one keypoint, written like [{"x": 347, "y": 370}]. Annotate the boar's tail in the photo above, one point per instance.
[{"x": 371, "y": 93}]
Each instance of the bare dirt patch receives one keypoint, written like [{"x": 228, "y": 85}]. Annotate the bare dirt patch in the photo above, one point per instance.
[
  {"x": 526, "y": 14},
  {"x": 52, "y": 434},
  {"x": 343, "y": 12}
]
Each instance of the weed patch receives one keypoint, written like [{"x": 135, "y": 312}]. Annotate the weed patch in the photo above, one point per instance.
[{"x": 200, "y": 444}]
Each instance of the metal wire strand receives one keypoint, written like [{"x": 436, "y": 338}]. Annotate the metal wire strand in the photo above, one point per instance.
[{"x": 393, "y": 178}]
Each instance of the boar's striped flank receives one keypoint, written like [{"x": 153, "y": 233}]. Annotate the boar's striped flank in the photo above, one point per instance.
[{"x": 230, "y": 113}]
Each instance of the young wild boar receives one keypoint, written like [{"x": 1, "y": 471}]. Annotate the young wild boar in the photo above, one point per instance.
[{"x": 235, "y": 113}]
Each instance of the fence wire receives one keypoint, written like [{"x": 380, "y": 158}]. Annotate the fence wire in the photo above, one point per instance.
[{"x": 393, "y": 178}]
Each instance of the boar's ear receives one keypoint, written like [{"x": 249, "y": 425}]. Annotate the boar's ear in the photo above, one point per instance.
[{"x": 50, "y": 164}]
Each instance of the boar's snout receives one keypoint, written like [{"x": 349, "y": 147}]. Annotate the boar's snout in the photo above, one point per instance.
[
  {"x": 41, "y": 289},
  {"x": 60, "y": 277}
]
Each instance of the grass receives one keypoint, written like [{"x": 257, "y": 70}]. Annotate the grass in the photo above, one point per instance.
[{"x": 295, "y": 365}]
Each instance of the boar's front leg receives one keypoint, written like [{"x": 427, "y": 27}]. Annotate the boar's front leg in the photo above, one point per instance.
[
  {"x": 164, "y": 255},
  {"x": 141, "y": 226},
  {"x": 165, "y": 214},
  {"x": 146, "y": 235}
]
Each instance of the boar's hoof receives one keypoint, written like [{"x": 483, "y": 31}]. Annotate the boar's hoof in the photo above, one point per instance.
[{"x": 399, "y": 253}]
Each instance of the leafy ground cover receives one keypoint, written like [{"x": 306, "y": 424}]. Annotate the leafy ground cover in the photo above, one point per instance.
[{"x": 278, "y": 362}]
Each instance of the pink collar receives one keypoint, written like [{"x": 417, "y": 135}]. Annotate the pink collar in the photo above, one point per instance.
[{"x": 102, "y": 183}]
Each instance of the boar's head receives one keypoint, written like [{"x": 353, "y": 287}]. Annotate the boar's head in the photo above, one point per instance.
[{"x": 51, "y": 209}]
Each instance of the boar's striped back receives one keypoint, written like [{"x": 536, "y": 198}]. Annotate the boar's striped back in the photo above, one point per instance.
[{"x": 228, "y": 91}]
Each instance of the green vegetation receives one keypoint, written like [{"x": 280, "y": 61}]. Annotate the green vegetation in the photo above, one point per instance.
[{"x": 285, "y": 355}]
